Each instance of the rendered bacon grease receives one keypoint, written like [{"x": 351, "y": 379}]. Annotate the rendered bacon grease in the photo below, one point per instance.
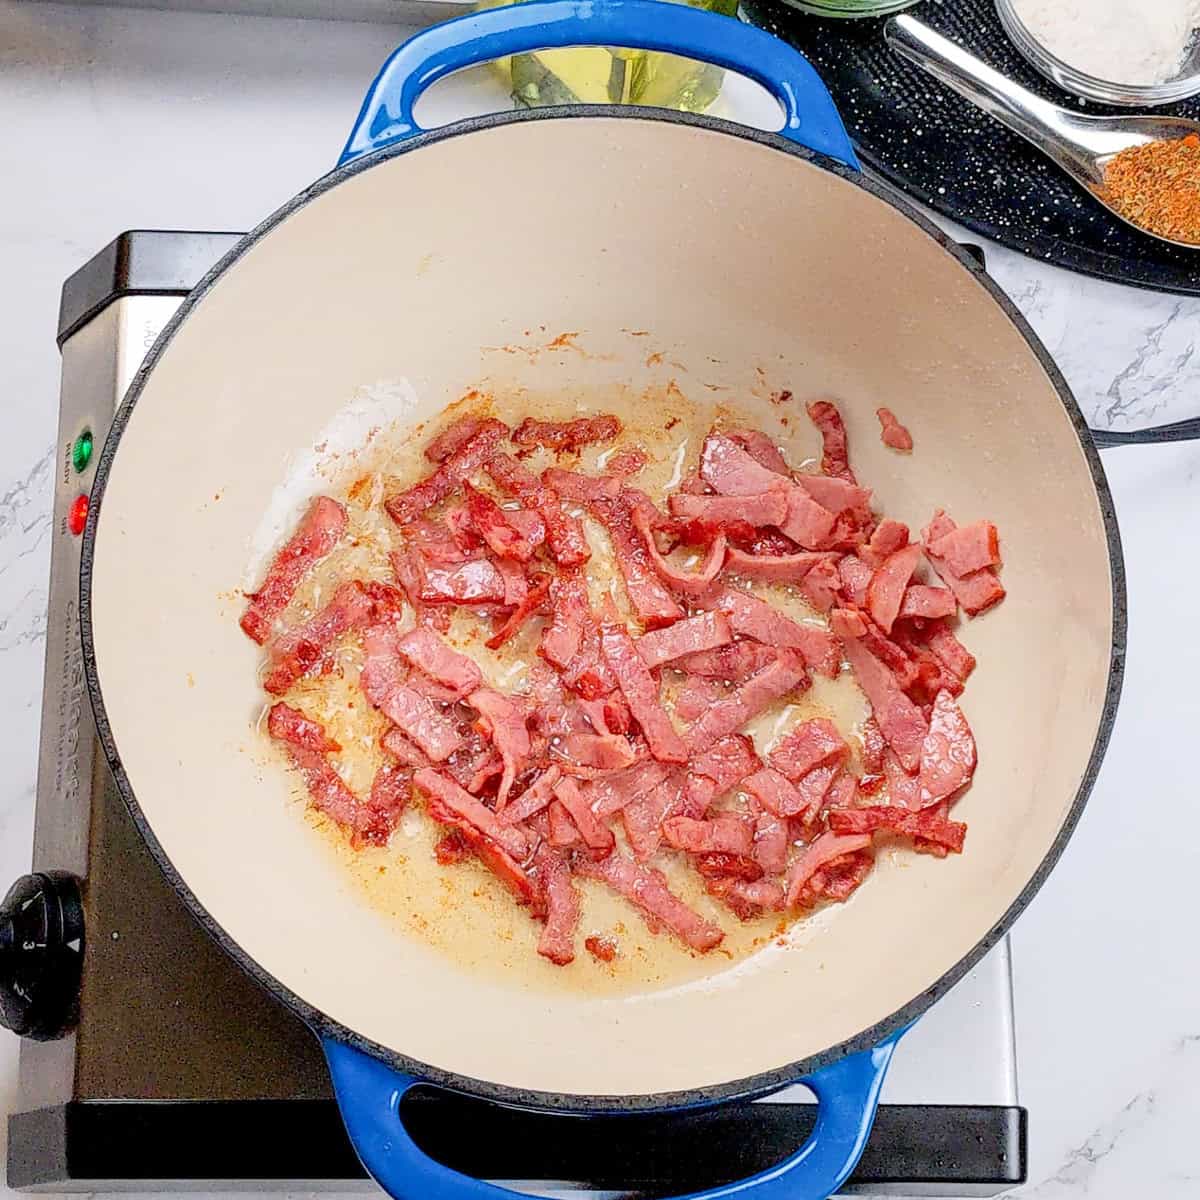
[{"x": 625, "y": 746}]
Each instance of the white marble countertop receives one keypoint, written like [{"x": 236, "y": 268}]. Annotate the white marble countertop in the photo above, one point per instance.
[{"x": 113, "y": 119}]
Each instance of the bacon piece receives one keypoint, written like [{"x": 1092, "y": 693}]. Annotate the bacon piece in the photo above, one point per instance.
[
  {"x": 557, "y": 941},
  {"x": 581, "y": 488},
  {"x": 929, "y": 825},
  {"x": 887, "y": 537},
  {"x": 696, "y": 695},
  {"x": 390, "y": 792},
  {"x": 775, "y": 568},
  {"x": 327, "y": 793},
  {"x": 318, "y": 532},
  {"x": 627, "y": 463},
  {"x": 968, "y": 548},
  {"x": 564, "y": 436},
  {"x": 948, "y": 755},
  {"x": 725, "y": 833},
  {"x": 821, "y": 586},
  {"x": 873, "y": 745},
  {"x": 727, "y": 716},
  {"x": 839, "y": 496},
  {"x": 603, "y": 949},
  {"x": 807, "y": 523},
  {"x": 733, "y": 663},
  {"x": 891, "y": 432},
  {"x": 454, "y": 436},
  {"x": 813, "y": 789},
  {"x": 471, "y": 582},
  {"x": 760, "y": 448},
  {"x": 898, "y": 717},
  {"x": 689, "y": 636},
  {"x": 473, "y": 453},
  {"x": 493, "y": 856},
  {"x": 587, "y": 674},
  {"x": 382, "y": 681},
  {"x": 459, "y": 801},
  {"x": 451, "y": 849},
  {"x": 612, "y": 793},
  {"x": 777, "y": 794},
  {"x": 497, "y": 530},
  {"x": 729, "y": 470},
  {"x": 563, "y": 832},
  {"x": 457, "y": 673},
  {"x": 596, "y": 835},
  {"x": 287, "y": 724},
  {"x": 843, "y": 791},
  {"x": 569, "y": 616},
  {"x": 651, "y": 600},
  {"x": 976, "y": 591},
  {"x": 885, "y": 593},
  {"x": 904, "y": 789},
  {"x": 641, "y": 693},
  {"x": 596, "y": 751},
  {"x": 504, "y": 723},
  {"x": 533, "y": 604},
  {"x": 813, "y": 743},
  {"x": 536, "y": 796},
  {"x": 720, "y": 864},
  {"x": 950, "y": 652},
  {"x": 643, "y": 818},
  {"x": 928, "y": 603},
  {"x": 754, "y": 618},
  {"x": 825, "y": 851},
  {"x": 405, "y": 752},
  {"x": 835, "y": 459},
  {"x": 727, "y": 762},
  {"x": 749, "y": 898},
  {"x": 766, "y": 508},
  {"x": 689, "y": 582},
  {"x": 565, "y": 537},
  {"x": 771, "y": 842},
  {"x": 855, "y": 576},
  {"x": 647, "y": 889}
]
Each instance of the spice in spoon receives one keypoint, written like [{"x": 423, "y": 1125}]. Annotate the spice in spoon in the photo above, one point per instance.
[{"x": 1157, "y": 187}]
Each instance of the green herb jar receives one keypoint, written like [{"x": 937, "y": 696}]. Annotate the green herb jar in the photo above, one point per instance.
[{"x": 609, "y": 75}]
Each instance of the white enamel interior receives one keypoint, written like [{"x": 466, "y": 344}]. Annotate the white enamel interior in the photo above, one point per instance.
[{"x": 735, "y": 257}]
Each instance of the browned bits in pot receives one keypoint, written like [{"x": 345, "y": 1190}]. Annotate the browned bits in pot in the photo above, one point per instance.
[{"x": 1157, "y": 186}]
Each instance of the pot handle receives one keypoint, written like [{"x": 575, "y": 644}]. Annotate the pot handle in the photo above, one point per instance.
[
  {"x": 369, "y": 1094},
  {"x": 811, "y": 120}
]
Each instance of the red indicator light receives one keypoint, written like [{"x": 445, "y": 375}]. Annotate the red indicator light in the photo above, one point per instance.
[{"x": 77, "y": 516}]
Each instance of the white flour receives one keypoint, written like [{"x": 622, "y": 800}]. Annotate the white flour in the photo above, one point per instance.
[{"x": 1122, "y": 41}]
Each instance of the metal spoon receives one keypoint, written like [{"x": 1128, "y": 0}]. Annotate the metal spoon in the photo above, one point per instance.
[{"x": 1082, "y": 145}]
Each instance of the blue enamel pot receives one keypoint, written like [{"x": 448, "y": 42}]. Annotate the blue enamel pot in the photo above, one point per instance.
[{"x": 425, "y": 262}]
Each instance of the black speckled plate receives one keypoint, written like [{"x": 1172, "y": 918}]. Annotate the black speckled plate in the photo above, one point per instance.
[{"x": 943, "y": 151}]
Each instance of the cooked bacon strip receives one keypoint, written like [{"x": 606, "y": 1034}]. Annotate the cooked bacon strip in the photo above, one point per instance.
[
  {"x": 473, "y": 453},
  {"x": 821, "y": 586},
  {"x": 775, "y": 568},
  {"x": 696, "y": 695},
  {"x": 497, "y": 530},
  {"x": 968, "y": 548},
  {"x": 886, "y": 538},
  {"x": 641, "y": 694},
  {"x": 319, "y": 530},
  {"x": 839, "y": 496},
  {"x": 533, "y": 799},
  {"x": 504, "y": 723},
  {"x": 725, "y": 833},
  {"x": 813, "y": 743},
  {"x": 807, "y": 523},
  {"x": 472, "y": 582},
  {"x": 382, "y": 681},
  {"x": 928, "y": 603},
  {"x": 594, "y": 751},
  {"x": 885, "y": 593},
  {"x": 603, "y": 949},
  {"x": 587, "y": 674},
  {"x": 898, "y": 717},
  {"x": 976, "y": 591},
  {"x": 651, "y": 600},
  {"x": 647, "y": 889},
  {"x": 460, "y": 802},
  {"x": 580, "y": 488},
  {"x": 594, "y": 832},
  {"x": 627, "y": 463},
  {"x": 891, "y": 432},
  {"x": 691, "y": 583},
  {"x": 749, "y": 898},
  {"x": 406, "y": 753},
  {"x": 533, "y": 604},
  {"x": 457, "y": 673},
  {"x": 950, "y": 652},
  {"x": 643, "y": 818},
  {"x": 835, "y": 459},
  {"x": 565, "y": 537},
  {"x": 760, "y": 691},
  {"x": 729, "y": 470},
  {"x": 766, "y": 508},
  {"x": 754, "y": 618},
  {"x": 692, "y": 635},
  {"x": 722, "y": 865},
  {"x": 948, "y": 755},
  {"x": 287, "y": 724},
  {"x": 826, "y": 850},
  {"x": 493, "y": 856},
  {"x": 855, "y": 576},
  {"x": 327, "y": 792},
  {"x": 564, "y": 436},
  {"x": 727, "y": 762},
  {"x": 569, "y": 617},
  {"x": 813, "y": 789},
  {"x": 873, "y": 745},
  {"x": 733, "y": 664},
  {"x": 454, "y": 436},
  {"x": 760, "y": 448},
  {"x": 609, "y": 795},
  {"x": 843, "y": 791},
  {"x": 929, "y": 826},
  {"x": 391, "y": 790},
  {"x": 771, "y": 842},
  {"x": 557, "y": 941},
  {"x": 775, "y": 792}
]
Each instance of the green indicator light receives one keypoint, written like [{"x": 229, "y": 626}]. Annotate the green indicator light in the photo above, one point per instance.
[{"x": 81, "y": 452}]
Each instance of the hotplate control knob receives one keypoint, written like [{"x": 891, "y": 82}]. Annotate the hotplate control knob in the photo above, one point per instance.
[{"x": 41, "y": 955}]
